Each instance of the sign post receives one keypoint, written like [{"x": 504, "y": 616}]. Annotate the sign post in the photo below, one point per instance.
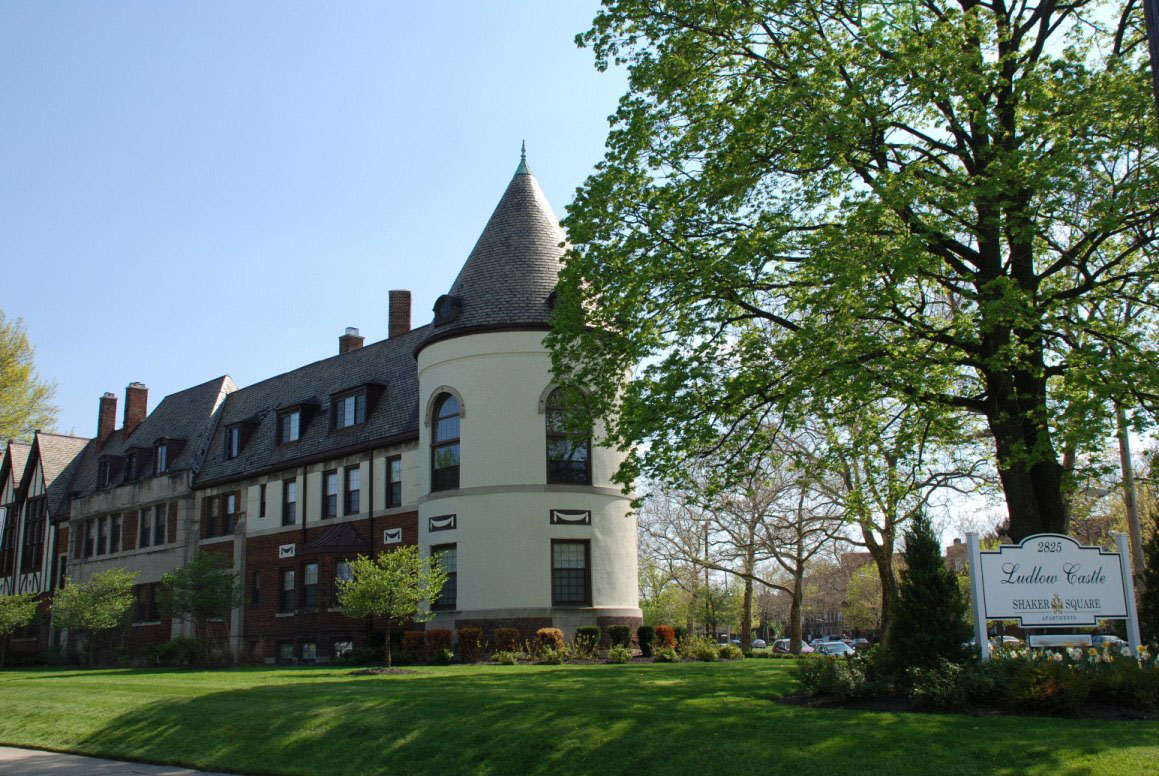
[
  {"x": 1133, "y": 639},
  {"x": 975, "y": 561}
]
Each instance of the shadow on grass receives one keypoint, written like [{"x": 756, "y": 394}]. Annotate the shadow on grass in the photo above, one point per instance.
[{"x": 702, "y": 719}]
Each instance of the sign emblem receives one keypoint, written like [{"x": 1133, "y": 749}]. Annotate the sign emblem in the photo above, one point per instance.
[{"x": 287, "y": 550}]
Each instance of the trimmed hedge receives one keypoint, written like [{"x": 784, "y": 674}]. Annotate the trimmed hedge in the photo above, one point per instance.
[
  {"x": 437, "y": 640},
  {"x": 587, "y": 640},
  {"x": 414, "y": 646},
  {"x": 549, "y": 638},
  {"x": 620, "y": 635},
  {"x": 665, "y": 636},
  {"x": 645, "y": 636},
  {"x": 470, "y": 644},
  {"x": 506, "y": 639}
]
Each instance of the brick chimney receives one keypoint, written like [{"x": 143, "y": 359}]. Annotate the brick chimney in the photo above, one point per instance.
[
  {"x": 106, "y": 417},
  {"x": 399, "y": 313},
  {"x": 136, "y": 407},
  {"x": 350, "y": 341}
]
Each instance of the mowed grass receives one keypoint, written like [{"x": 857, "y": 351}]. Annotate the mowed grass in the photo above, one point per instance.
[{"x": 692, "y": 718}]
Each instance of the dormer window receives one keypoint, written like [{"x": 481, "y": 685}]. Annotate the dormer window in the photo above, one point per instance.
[
  {"x": 104, "y": 474},
  {"x": 161, "y": 458},
  {"x": 130, "y": 467},
  {"x": 289, "y": 426},
  {"x": 350, "y": 410}
]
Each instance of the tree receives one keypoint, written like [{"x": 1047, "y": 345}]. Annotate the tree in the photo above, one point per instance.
[
  {"x": 930, "y": 603},
  {"x": 97, "y": 607},
  {"x": 24, "y": 398},
  {"x": 16, "y": 612},
  {"x": 811, "y": 203},
  {"x": 203, "y": 589},
  {"x": 397, "y": 586}
]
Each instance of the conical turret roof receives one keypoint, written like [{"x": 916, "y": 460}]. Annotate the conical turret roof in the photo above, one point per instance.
[{"x": 512, "y": 270}]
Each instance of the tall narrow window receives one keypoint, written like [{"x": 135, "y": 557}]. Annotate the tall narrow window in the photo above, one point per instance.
[
  {"x": 289, "y": 426},
  {"x": 329, "y": 494},
  {"x": 255, "y": 588},
  {"x": 445, "y": 444},
  {"x": 350, "y": 410},
  {"x": 32, "y": 554},
  {"x": 144, "y": 528},
  {"x": 289, "y": 502},
  {"x": 229, "y": 512},
  {"x": 161, "y": 458},
  {"x": 394, "y": 481},
  {"x": 159, "y": 513},
  {"x": 447, "y": 556},
  {"x": 90, "y": 537},
  {"x": 261, "y": 500},
  {"x": 232, "y": 442},
  {"x": 353, "y": 490},
  {"x": 102, "y": 535},
  {"x": 130, "y": 468},
  {"x": 570, "y": 573},
  {"x": 104, "y": 474},
  {"x": 213, "y": 516},
  {"x": 286, "y": 597},
  {"x": 310, "y": 585},
  {"x": 568, "y": 455},
  {"x": 114, "y": 533}
]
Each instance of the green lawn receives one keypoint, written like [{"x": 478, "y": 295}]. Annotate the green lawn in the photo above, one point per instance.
[{"x": 692, "y": 718}]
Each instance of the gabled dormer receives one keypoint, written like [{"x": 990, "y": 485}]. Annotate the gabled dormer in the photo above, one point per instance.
[
  {"x": 294, "y": 419},
  {"x": 352, "y": 406}
]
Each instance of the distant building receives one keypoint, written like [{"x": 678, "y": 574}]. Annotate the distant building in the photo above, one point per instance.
[{"x": 445, "y": 436}]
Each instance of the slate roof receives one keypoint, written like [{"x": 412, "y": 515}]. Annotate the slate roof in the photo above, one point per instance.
[
  {"x": 394, "y": 416},
  {"x": 187, "y": 415},
  {"x": 514, "y": 265},
  {"x": 60, "y": 457}
]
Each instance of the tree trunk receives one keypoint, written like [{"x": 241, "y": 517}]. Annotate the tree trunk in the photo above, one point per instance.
[
  {"x": 388, "y": 663},
  {"x": 795, "y": 612},
  {"x": 1129, "y": 498},
  {"x": 746, "y": 620},
  {"x": 882, "y": 554}
]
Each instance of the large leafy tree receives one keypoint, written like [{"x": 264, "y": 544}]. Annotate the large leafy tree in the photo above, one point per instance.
[
  {"x": 204, "y": 589},
  {"x": 25, "y": 400},
  {"x": 16, "y": 612},
  {"x": 397, "y": 587},
  {"x": 810, "y": 204},
  {"x": 99, "y": 608}
]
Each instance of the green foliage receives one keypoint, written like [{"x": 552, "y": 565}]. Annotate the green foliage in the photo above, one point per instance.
[
  {"x": 665, "y": 655},
  {"x": 507, "y": 639},
  {"x": 96, "y": 607},
  {"x": 940, "y": 687},
  {"x": 505, "y": 657},
  {"x": 16, "y": 612},
  {"x": 414, "y": 646},
  {"x": 644, "y": 637},
  {"x": 203, "y": 589},
  {"x": 702, "y": 649},
  {"x": 441, "y": 657},
  {"x": 549, "y": 638},
  {"x": 862, "y": 603},
  {"x": 731, "y": 652},
  {"x": 587, "y": 641},
  {"x": 471, "y": 644},
  {"x": 931, "y": 612},
  {"x": 551, "y": 656},
  {"x": 666, "y": 636},
  {"x": 807, "y": 206},
  {"x": 181, "y": 651},
  {"x": 1048, "y": 687},
  {"x": 844, "y": 679},
  {"x": 435, "y": 641},
  {"x": 619, "y": 654},
  {"x": 620, "y": 635},
  {"x": 1149, "y": 597},
  {"x": 25, "y": 400},
  {"x": 395, "y": 586}
]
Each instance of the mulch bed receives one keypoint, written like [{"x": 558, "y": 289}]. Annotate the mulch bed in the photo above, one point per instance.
[
  {"x": 900, "y": 703},
  {"x": 383, "y": 672}
]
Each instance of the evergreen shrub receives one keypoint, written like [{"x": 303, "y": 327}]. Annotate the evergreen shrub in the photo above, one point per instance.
[
  {"x": 665, "y": 655},
  {"x": 437, "y": 639},
  {"x": 666, "y": 636},
  {"x": 619, "y": 654},
  {"x": 470, "y": 644},
  {"x": 645, "y": 635},
  {"x": 549, "y": 638},
  {"x": 507, "y": 639},
  {"x": 587, "y": 641},
  {"x": 413, "y": 646},
  {"x": 731, "y": 652},
  {"x": 620, "y": 635}
]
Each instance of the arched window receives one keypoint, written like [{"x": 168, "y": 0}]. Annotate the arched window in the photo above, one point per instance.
[
  {"x": 569, "y": 459},
  {"x": 445, "y": 443}
]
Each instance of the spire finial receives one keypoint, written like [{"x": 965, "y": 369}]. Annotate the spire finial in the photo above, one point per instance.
[{"x": 523, "y": 169}]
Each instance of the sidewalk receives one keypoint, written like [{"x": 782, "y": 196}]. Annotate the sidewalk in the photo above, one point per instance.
[{"x": 33, "y": 762}]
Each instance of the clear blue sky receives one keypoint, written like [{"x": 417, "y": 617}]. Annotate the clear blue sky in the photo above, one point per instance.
[{"x": 205, "y": 188}]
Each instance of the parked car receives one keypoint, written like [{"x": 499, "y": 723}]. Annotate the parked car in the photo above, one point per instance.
[
  {"x": 1100, "y": 640},
  {"x": 859, "y": 643},
  {"x": 782, "y": 645},
  {"x": 836, "y": 648},
  {"x": 758, "y": 643}
]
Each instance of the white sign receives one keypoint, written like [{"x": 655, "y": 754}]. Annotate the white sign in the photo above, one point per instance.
[
  {"x": 287, "y": 550},
  {"x": 1052, "y": 580}
]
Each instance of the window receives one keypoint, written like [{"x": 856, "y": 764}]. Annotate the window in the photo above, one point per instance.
[
  {"x": 114, "y": 533},
  {"x": 102, "y": 535},
  {"x": 289, "y": 502},
  {"x": 570, "y": 573},
  {"x": 104, "y": 474},
  {"x": 309, "y": 650},
  {"x": 310, "y": 585},
  {"x": 147, "y": 607},
  {"x": 329, "y": 494},
  {"x": 568, "y": 455},
  {"x": 130, "y": 467},
  {"x": 230, "y": 513},
  {"x": 445, "y": 444},
  {"x": 212, "y": 516},
  {"x": 289, "y": 426},
  {"x": 353, "y": 490},
  {"x": 90, "y": 537},
  {"x": 32, "y": 555},
  {"x": 255, "y": 588},
  {"x": 448, "y": 557},
  {"x": 158, "y": 524},
  {"x": 350, "y": 410},
  {"x": 343, "y": 572},
  {"x": 261, "y": 501},
  {"x": 394, "y": 481},
  {"x": 161, "y": 458},
  {"x": 286, "y": 599},
  {"x": 232, "y": 442},
  {"x": 144, "y": 531},
  {"x": 285, "y": 651}
]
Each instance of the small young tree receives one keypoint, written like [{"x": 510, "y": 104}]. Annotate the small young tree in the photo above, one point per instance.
[
  {"x": 397, "y": 586},
  {"x": 203, "y": 589},
  {"x": 931, "y": 610},
  {"x": 16, "y": 612},
  {"x": 1149, "y": 597},
  {"x": 97, "y": 607}
]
